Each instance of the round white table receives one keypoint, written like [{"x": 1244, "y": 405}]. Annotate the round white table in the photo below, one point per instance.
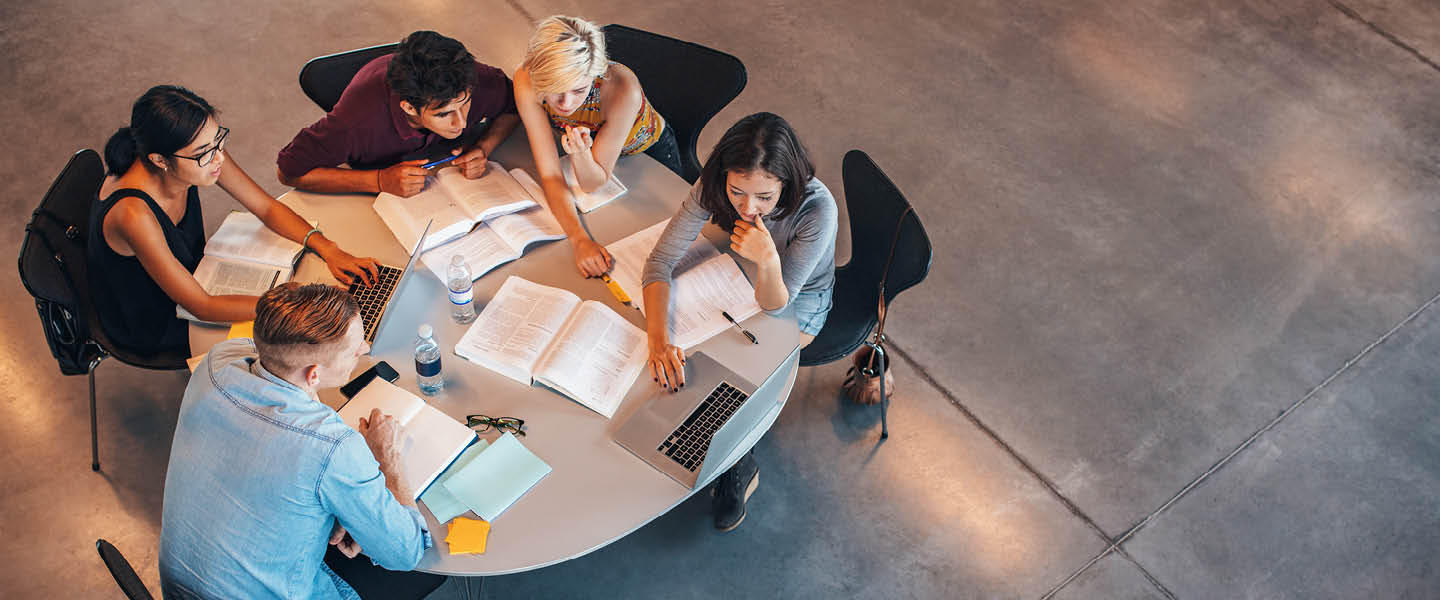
[{"x": 597, "y": 492}]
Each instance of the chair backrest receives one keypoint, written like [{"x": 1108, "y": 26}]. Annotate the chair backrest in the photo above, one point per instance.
[
  {"x": 323, "y": 79},
  {"x": 880, "y": 219},
  {"x": 53, "y": 261},
  {"x": 121, "y": 570},
  {"x": 876, "y": 224},
  {"x": 686, "y": 82}
]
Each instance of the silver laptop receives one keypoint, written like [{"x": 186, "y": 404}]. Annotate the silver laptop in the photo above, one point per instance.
[
  {"x": 687, "y": 434},
  {"x": 375, "y": 299}
]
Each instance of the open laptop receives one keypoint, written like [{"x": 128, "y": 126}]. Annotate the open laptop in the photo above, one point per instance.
[
  {"x": 688, "y": 434},
  {"x": 376, "y": 299}
]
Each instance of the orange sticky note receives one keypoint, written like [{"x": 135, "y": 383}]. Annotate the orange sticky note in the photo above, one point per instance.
[
  {"x": 467, "y": 536},
  {"x": 241, "y": 330}
]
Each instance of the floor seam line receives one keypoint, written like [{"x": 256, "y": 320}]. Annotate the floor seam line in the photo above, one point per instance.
[
  {"x": 1353, "y": 14},
  {"x": 1276, "y": 421},
  {"x": 1146, "y": 573},
  {"x": 1004, "y": 446}
]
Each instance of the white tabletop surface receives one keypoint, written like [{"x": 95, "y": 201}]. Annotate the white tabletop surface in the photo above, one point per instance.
[{"x": 597, "y": 492}]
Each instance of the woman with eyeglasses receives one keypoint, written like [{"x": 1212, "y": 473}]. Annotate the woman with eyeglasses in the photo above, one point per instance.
[{"x": 147, "y": 233}]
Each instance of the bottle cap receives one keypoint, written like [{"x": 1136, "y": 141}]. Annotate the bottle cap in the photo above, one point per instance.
[
  {"x": 426, "y": 330},
  {"x": 458, "y": 259}
]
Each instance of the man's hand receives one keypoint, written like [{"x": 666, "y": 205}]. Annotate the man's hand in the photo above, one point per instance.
[
  {"x": 752, "y": 241},
  {"x": 341, "y": 540},
  {"x": 591, "y": 258},
  {"x": 382, "y": 434},
  {"x": 403, "y": 179},
  {"x": 472, "y": 162}
]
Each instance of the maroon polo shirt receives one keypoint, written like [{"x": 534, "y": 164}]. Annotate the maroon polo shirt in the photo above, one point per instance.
[{"x": 367, "y": 128}]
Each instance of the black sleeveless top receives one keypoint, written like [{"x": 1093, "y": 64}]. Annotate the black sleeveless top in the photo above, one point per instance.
[{"x": 136, "y": 313}]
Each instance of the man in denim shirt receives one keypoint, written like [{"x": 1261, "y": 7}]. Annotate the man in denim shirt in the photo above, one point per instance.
[{"x": 263, "y": 477}]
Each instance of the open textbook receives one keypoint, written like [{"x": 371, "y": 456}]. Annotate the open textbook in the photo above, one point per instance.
[
  {"x": 456, "y": 204},
  {"x": 431, "y": 439},
  {"x": 705, "y": 283},
  {"x": 243, "y": 257},
  {"x": 537, "y": 333},
  {"x": 491, "y": 244},
  {"x": 601, "y": 196}
]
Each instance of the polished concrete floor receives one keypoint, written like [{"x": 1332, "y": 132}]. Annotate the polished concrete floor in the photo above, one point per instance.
[{"x": 1178, "y": 339}]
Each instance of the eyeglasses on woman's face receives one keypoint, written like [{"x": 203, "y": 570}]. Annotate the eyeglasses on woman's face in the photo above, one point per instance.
[{"x": 208, "y": 156}]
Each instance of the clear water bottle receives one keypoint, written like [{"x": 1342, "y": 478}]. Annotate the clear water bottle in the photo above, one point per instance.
[
  {"x": 427, "y": 362},
  {"x": 462, "y": 296}
]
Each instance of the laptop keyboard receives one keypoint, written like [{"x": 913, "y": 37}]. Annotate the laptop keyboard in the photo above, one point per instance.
[
  {"x": 372, "y": 298},
  {"x": 689, "y": 442}
]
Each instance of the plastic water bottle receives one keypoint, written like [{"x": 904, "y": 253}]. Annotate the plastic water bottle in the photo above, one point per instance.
[
  {"x": 462, "y": 295},
  {"x": 427, "y": 362}
]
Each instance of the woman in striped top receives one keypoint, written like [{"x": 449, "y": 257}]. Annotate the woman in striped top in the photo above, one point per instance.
[{"x": 567, "y": 84}]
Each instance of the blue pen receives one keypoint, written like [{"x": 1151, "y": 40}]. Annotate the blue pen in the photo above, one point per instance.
[{"x": 440, "y": 162}]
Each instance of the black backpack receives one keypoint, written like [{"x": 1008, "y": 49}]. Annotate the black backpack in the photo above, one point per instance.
[{"x": 53, "y": 262}]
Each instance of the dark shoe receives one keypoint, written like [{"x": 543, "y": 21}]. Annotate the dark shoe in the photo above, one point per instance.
[{"x": 732, "y": 489}]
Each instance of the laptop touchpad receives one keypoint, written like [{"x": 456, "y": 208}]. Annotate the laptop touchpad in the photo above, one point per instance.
[{"x": 673, "y": 407}]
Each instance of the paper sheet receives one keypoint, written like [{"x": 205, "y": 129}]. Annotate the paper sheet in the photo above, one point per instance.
[{"x": 468, "y": 536}]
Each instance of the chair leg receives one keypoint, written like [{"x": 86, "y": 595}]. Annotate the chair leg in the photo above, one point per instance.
[
  {"x": 884, "y": 399},
  {"x": 94, "y": 437}
]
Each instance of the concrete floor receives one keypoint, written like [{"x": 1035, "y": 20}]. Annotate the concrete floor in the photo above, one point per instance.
[{"x": 1177, "y": 340}]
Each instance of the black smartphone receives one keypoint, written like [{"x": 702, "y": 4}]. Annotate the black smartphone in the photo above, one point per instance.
[{"x": 382, "y": 368}]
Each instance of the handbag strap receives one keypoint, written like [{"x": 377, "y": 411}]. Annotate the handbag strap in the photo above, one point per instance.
[{"x": 885, "y": 274}]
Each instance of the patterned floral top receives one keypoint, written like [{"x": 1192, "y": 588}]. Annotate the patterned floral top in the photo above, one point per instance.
[{"x": 646, "y": 130}]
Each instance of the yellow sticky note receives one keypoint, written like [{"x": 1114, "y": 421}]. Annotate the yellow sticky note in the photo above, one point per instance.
[
  {"x": 241, "y": 330},
  {"x": 467, "y": 536}
]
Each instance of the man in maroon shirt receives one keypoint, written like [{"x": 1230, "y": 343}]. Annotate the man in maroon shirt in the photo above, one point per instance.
[{"x": 430, "y": 97}]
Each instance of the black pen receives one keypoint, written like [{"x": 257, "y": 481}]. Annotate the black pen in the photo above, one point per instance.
[{"x": 737, "y": 326}]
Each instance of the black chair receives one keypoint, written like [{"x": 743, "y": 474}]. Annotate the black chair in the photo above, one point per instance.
[
  {"x": 686, "y": 82},
  {"x": 121, "y": 570},
  {"x": 889, "y": 251},
  {"x": 324, "y": 78},
  {"x": 53, "y": 269}
]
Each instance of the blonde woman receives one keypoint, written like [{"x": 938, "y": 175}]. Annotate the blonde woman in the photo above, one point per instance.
[{"x": 597, "y": 107}]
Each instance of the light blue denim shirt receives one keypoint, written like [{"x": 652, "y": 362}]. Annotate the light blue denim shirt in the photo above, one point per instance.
[{"x": 259, "y": 472}]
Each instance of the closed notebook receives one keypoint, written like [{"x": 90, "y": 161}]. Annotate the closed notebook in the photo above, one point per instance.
[
  {"x": 442, "y": 504},
  {"x": 499, "y": 476}
]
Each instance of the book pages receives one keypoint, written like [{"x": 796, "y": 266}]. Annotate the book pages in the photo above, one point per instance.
[
  {"x": 596, "y": 358},
  {"x": 243, "y": 236},
  {"x": 515, "y": 327}
]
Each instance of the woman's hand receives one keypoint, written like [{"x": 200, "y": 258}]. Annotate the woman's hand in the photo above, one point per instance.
[
  {"x": 577, "y": 140},
  {"x": 345, "y": 268},
  {"x": 591, "y": 258},
  {"x": 667, "y": 364},
  {"x": 752, "y": 241}
]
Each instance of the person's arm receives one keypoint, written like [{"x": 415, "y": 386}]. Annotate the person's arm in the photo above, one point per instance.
[
  {"x": 667, "y": 361},
  {"x": 133, "y": 225},
  {"x": 311, "y": 162},
  {"x": 363, "y": 487},
  {"x": 401, "y": 179},
  {"x": 282, "y": 220},
  {"x": 752, "y": 241},
  {"x": 590, "y": 257},
  {"x": 619, "y": 107},
  {"x": 815, "y": 230}
]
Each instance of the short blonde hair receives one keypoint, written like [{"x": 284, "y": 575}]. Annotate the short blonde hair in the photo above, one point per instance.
[
  {"x": 297, "y": 325},
  {"x": 562, "y": 51}
]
